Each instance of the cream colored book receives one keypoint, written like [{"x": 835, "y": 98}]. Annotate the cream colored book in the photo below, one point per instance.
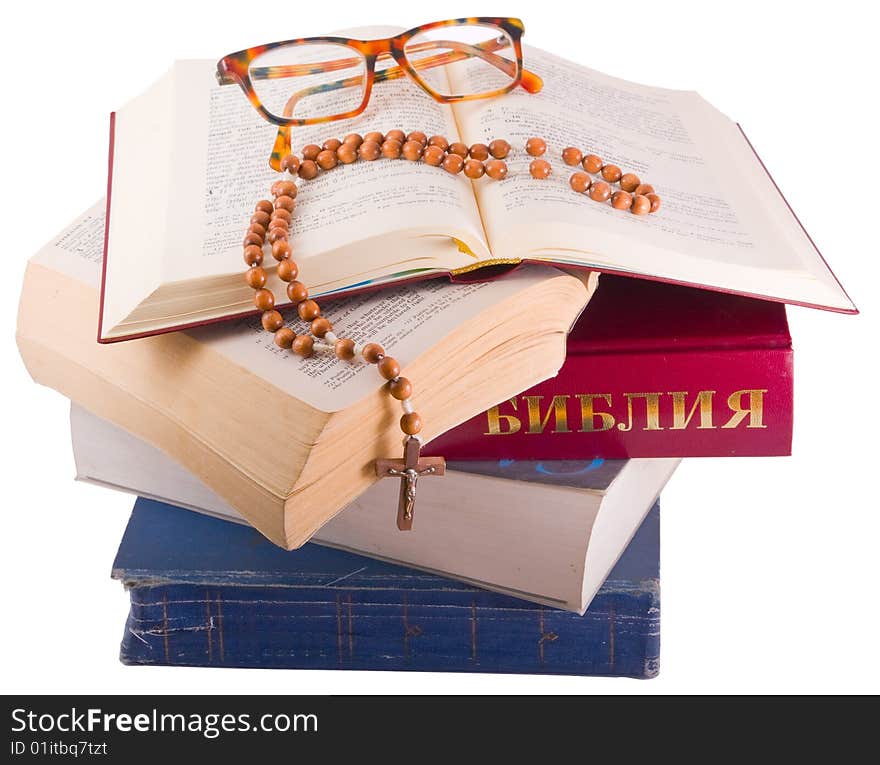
[
  {"x": 190, "y": 159},
  {"x": 510, "y": 528},
  {"x": 289, "y": 442}
]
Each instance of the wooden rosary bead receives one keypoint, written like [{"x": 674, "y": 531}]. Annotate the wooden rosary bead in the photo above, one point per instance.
[
  {"x": 611, "y": 173},
  {"x": 453, "y": 163},
  {"x": 284, "y": 337},
  {"x": 396, "y": 135},
  {"x": 257, "y": 229},
  {"x": 288, "y": 270},
  {"x": 372, "y": 353},
  {"x": 572, "y": 156},
  {"x": 311, "y": 151},
  {"x": 344, "y": 349},
  {"x": 272, "y": 320},
  {"x": 320, "y": 327},
  {"x": 540, "y": 169},
  {"x": 250, "y": 238},
  {"x": 580, "y": 182},
  {"x": 347, "y": 153},
  {"x": 479, "y": 151},
  {"x": 474, "y": 169},
  {"x": 621, "y": 200},
  {"x": 265, "y": 205},
  {"x": 600, "y": 191},
  {"x": 353, "y": 139},
  {"x": 418, "y": 136},
  {"x": 374, "y": 136},
  {"x": 412, "y": 150},
  {"x": 304, "y": 345},
  {"x": 644, "y": 189},
  {"x": 260, "y": 217},
  {"x": 276, "y": 234},
  {"x": 255, "y": 277},
  {"x": 433, "y": 155},
  {"x": 331, "y": 144},
  {"x": 401, "y": 388},
  {"x": 389, "y": 368},
  {"x": 281, "y": 250},
  {"x": 499, "y": 148},
  {"x": 278, "y": 221},
  {"x": 369, "y": 151},
  {"x": 264, "y": 299},
  {"x": 655, "y": 202},
  {"x": 326, "y": 160},
  {"x": 297, "y": 292},
  {"x": 629, "y": 182},
  {"x": 591, "y": 163},
  {"x": 438, "y": 140},
  {"x": 411, "y": 423},
  {"x": 253, "y": 255},
  {"x": 308, "y": 310},
  {"x": 641, "y": 205},
  {"x": 285, "y": 202},
  {"x": 535, "y": 147},
  {"x": 391, "y": 148},
  {"x": 459, "y": 149},
  {"x": 284, "y": 189},
  {"x": 282, "y": 214},
  {"x": 290, "y": 163},
  {"x": 308, "y": 169},
  {"x": 496, "y": 169}
]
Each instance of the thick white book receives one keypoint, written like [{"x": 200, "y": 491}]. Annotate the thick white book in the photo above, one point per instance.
[{"x": 547, "y": 532}]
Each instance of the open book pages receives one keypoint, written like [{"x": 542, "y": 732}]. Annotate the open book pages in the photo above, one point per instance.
[
  {"x": 289, "y": 442},
  {"x": 190, "y": 160},
  {"x": 552, "y": 540}
]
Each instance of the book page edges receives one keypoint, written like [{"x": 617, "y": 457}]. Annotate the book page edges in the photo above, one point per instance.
[
  {"x": 852, "y": 309},
  {"x": 89, "y": 374},
  {"x": 626, "y": 503}
]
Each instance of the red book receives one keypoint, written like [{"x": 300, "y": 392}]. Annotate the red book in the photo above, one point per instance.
[{"x": 653, "y": 370}]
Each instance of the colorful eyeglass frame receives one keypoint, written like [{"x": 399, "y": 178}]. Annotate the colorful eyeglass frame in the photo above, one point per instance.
[{"x": 236, "y": 69}]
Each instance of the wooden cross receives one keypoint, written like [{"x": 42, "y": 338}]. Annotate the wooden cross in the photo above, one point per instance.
[{"x": 409, "y": 469}]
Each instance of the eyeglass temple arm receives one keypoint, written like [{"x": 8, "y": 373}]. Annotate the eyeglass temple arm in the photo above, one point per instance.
[{"x": 282, "y": 139}]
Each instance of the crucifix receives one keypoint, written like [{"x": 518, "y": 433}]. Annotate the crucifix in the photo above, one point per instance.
[{"x": 409, "y": 469}]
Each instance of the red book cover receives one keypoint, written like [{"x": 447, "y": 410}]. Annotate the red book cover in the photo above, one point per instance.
[{"x": 653, "y": 370}]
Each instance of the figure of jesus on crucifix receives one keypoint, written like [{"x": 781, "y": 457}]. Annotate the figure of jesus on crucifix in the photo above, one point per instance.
[{"x": 409, "y": 469}]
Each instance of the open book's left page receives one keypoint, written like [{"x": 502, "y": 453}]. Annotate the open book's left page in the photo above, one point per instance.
[{"x": 191, "y": 159}]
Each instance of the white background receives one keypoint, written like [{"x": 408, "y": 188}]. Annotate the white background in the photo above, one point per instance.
[{"x": 770, "y": 566}]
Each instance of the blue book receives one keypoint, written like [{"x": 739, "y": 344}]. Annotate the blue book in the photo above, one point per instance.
[{"x": 207, "y": 592}]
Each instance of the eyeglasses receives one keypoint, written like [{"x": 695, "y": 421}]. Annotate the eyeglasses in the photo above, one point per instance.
[{"x": 321, "y": 79}]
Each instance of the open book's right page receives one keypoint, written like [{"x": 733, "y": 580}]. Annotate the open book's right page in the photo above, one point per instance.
[{"x": 723, "y": 223}]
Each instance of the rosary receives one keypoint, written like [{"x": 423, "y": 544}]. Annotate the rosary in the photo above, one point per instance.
[{"x": 270, "y": 224}]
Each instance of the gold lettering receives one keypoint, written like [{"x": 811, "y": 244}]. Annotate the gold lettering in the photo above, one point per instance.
[
  {"x": 589, "y": 413},
  {"x": 557, "y": 409},
  {"x": 704, "y": 401},
  {"x": 755, "y": 409},
  {"x": 652, "y": 411},
  {"x": 495, "y": 419}
]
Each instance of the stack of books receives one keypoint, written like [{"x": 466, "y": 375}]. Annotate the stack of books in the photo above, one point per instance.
[{"x": 562, "y": 401}]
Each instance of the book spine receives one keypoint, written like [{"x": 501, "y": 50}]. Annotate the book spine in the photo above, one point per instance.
[
  {"x": 692, "y": 403},
  {"x": 385, "y": 629}
]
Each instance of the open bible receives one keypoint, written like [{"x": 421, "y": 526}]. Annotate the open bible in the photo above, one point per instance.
[
  {"x": 288, "y": 443},
  {"x": 189, "y": 160}
]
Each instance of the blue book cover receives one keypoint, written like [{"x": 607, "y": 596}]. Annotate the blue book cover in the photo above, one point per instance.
[{"x": 207, "y": 592}]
